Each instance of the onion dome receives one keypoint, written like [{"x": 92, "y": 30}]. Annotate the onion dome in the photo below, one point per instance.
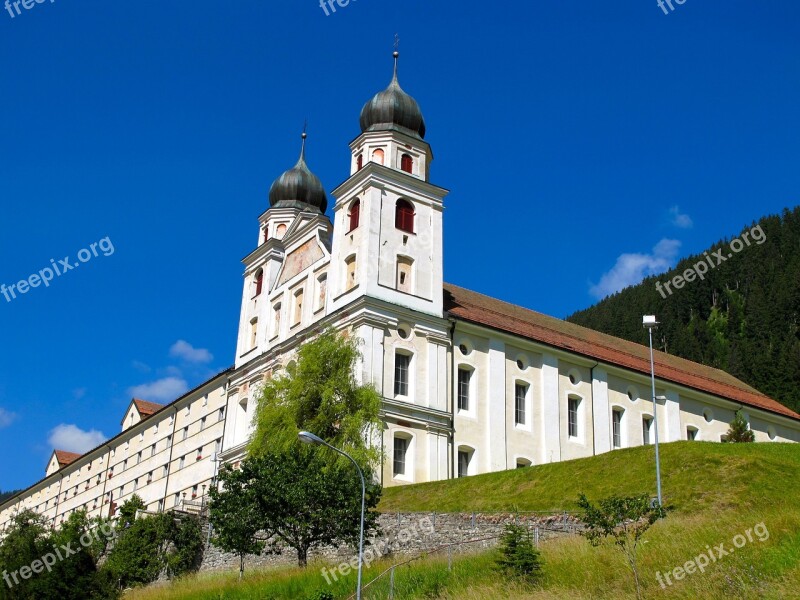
[
  {"x": 393, "y": 109},
  {"x": 298, "y": 187}
]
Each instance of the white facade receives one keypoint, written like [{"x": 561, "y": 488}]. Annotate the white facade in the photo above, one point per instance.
[{"x": 465, "y": 391}]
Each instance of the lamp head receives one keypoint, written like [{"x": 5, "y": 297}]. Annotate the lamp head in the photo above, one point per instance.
[
  {"x": 309, "y": 438},
  {"x": 649, "y": 321}
]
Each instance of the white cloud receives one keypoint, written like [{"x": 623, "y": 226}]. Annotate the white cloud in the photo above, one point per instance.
[
  {"x": 74, "y": 439},
  {"x": 630, "y": 269},
  {"x": 184, "y": 350},
  {"x": 680, "y": 219},
  {"x": 140, "y": 366},
  {"x": 161, "y": 390},
  {"x": 6, "y": 418}
]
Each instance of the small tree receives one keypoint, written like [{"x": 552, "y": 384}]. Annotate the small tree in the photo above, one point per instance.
[
  {"x": 234, "y": 515},
  {"x": 623, "y": 521},
  {"x": 306, "y": 502},
  {"x": 519, "y": 557},
  {"x": 739, "y": 431}
]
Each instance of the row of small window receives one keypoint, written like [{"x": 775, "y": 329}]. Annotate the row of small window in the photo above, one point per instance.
[
  {"x": 168, "y": 439},
  {"x": 401, "y": 451},
  {"x": 297, "y": 312},
  {"x": 378, "y": 156},
  {"x": 181, "y": 465},
  {"x": 403, "y": 215},
  {"x": 520, "y": 396}
]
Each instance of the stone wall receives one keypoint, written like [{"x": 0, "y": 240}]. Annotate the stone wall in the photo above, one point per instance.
[{"x": 409, "y": 534}]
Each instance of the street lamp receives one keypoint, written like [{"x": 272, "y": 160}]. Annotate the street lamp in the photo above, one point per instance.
[
  {"x": 650, "y": 322},
  {"x": 309, "y": 438}
]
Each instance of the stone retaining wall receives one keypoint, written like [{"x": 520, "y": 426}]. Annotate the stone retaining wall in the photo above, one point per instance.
[{"x": 409, "y": 534}]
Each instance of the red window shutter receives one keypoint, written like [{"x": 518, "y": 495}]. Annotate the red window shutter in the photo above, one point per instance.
[
  {"x": 355, "y": 214},
  {"x": 259, "y": 282},
  {"x": 360, "y": 161},
  {"x": 404, "y": 216},
  {"x": 406, "y": 164}
]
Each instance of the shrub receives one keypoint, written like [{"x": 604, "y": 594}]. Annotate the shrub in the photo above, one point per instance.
[{"x": 518, "y": 556}]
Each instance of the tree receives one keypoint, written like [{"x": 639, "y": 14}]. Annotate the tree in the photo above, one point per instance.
[
  {"x": 234, "y": 515},
  {"x": 306, "y": 501},
  {"x": 25, "y": 540},
  {"x": 151, "y": 544},
  {"x": 309, "y": 496},
  {"x": 519, "y": 557},
  {"x": 739, "y": 431},
  {"x": 318, "y": 392},
  {"x": 623, "y": 521}
]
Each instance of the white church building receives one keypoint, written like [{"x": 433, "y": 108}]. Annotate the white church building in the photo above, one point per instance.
[{"x": 470, "y": 384}]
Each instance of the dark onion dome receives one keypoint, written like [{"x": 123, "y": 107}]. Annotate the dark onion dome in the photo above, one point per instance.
[
  {"x": 393, "y": 109},
  {"x": 298, "y": 187}
]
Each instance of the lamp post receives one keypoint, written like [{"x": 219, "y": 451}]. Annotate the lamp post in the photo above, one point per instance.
[
  {"x": 650, "y": 322},
  {"x": 310, "y": 438}
]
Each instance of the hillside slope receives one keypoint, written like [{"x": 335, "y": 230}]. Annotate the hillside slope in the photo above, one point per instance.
[{"x": 743, "y": 317}]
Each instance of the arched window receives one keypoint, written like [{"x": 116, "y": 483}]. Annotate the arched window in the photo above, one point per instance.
[
  {"x": 355, "y": 213},
  {"x": 259, "y": 281},
  {"x": 406, "y": 163},
  {"x": 377, "y": 156},
  {"x": 404, "y": 216},
  {"x": 359, "y": 162}
]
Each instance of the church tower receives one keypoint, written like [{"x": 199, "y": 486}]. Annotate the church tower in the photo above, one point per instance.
[
  {"x": 285, "y": 282},
  {"x": 388, "y": 217}
]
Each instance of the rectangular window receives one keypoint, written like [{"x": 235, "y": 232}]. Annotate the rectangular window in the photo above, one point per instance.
[
  {"x": 182, "y": 462},
  {"x": 572, "y": 414},
  {"x": 616, "y": 422},
  {"x": 169, "y": 441},
  {"x": 298, "y": 308},
  {"x": 401, "y": 364},
  {"x": 202, "y": 423},
  {"x": 153, "y": 450},
  {"x": 166, "y": 470},
  {"x": 520, "y": 393},
  {"x": 400, "y": 449},
  {"x": 691, "y": 434},
  {"x": 217, "y": 446},
  {"x": 221, "y": 414},
  {"x": 463, "y": 463},
  {"x": 464, "y": 375},
  {"x": 185, "y": 432},
  {"x": 646, "y": 422},
  {"x": 139, "y": 457}
]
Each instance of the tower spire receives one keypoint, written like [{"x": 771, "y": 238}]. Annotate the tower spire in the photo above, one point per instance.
[
  {"x": 304, "y": 135},
  {"x": 396, "y": 55}
]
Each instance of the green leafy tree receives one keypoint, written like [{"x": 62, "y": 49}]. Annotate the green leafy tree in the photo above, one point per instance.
[
  {"x": 26, "y": 540},
  {"x": 622, "y": 521},
  {"x": 234, "y": 514},
  {"x": 318, "y": 393},
  {"x": 147, "y": 546},
  {"x": 739, "y": 431},
  {"x": 305, "y": 501},
  {"x": 518, "y": 555}
]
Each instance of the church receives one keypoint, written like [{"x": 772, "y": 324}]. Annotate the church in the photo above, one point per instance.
[{"x": 470, "y": 384}]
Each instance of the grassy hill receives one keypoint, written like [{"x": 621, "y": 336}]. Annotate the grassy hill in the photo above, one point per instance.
[
  {"x": 715, "y": 491},
  {"x": 743, "y": 317}
]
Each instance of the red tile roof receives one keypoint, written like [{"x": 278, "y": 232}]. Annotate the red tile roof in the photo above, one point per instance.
[
  {"x": 476, "y": 308},
  {"x": 64, "y": 458},
  {"x": 146, "y": 408}
]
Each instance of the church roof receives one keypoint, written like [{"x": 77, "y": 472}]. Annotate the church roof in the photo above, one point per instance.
[
  {"x": 393, "y": 109},
  {"x": 298, "y": 187},
  {"x": 146, "y": 408},
  {"x": 476, "y": 308},
  {"x": 65, "y": 458}
]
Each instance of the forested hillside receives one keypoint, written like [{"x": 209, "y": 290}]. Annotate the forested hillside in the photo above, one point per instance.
[
  {"x": 6, "y": 495},
  {"x": 742, "y": 316}
]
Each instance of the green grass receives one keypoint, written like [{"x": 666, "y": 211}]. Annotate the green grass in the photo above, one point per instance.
[
  {"x": 715, "y": 491},
  {"x": 696, "y": 476}
]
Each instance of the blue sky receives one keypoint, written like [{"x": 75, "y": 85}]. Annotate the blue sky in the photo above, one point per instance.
[{"x": 586, "y": 145}]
